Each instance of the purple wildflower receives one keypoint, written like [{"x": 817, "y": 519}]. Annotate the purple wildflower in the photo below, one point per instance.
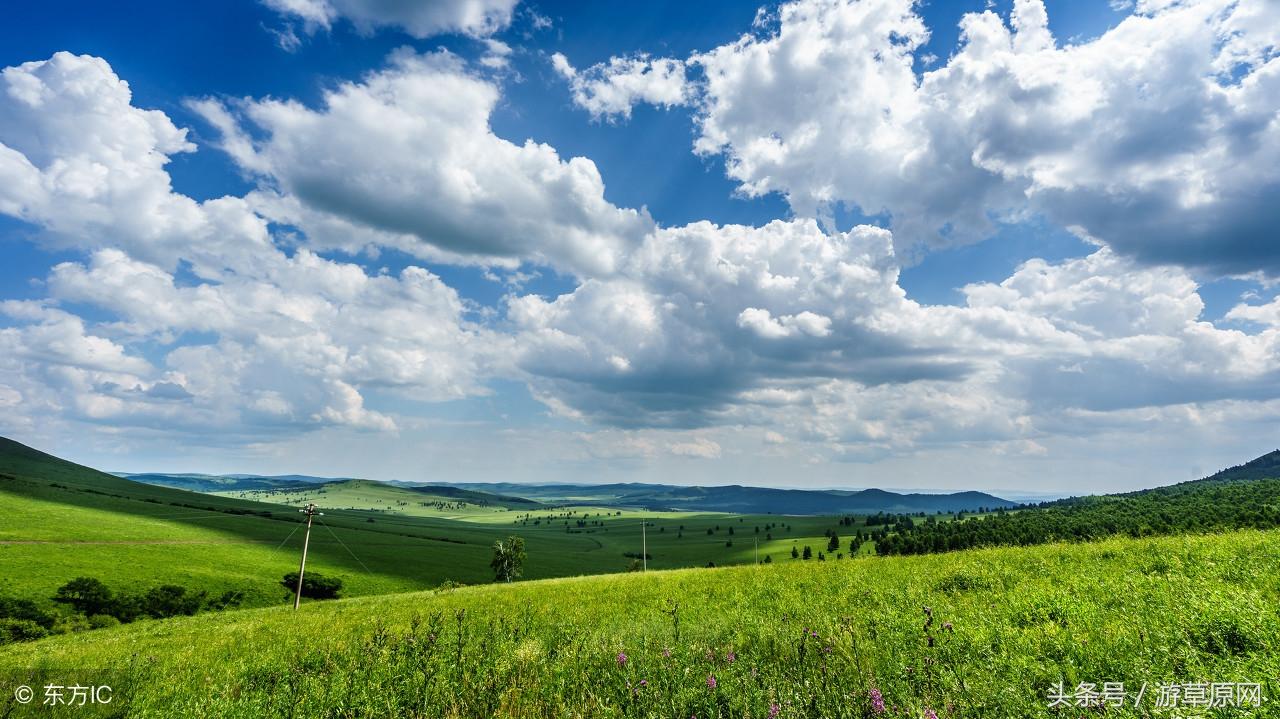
[
  {"x": 930, "y": 714},
  {"x": 711, "y": 681},
  {"x": 622, "y": 659},
  {"x": 774, "y": 709},
  {"x": 730, "y": 657},
  {"x": 946, "y": 626},
  {"x": 877, "y": 701},
  {"x": 645, "y": 683}
]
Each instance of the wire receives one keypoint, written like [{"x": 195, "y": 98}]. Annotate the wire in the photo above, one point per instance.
[
  {"x": 344, "y": 546},
  {"x": 295, "y": 531}
]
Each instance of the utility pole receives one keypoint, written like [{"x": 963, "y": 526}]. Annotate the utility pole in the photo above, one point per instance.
[
  {"x": 310, "y": 511},
  {"x": 644, "y": 545}
]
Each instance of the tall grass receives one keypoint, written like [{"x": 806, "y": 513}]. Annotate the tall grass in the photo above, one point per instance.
[{"x": 971, "y": 634}]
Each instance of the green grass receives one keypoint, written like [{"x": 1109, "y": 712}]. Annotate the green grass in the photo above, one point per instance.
[
  {"x": 60, "y": 520},
  {"x": 381, "y": 497},
  {"x": 1179, "y": 609}
]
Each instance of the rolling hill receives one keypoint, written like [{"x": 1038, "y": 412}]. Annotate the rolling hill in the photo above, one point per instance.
[
  {"x": 746, "y": 500},
  {"x": 60, "y": 520}
]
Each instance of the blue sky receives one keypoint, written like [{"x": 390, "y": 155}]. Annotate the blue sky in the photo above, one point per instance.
[{"x": 488, "y": 242}]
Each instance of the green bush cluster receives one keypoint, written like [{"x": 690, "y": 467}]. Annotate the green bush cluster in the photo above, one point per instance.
[{"x": 89, "y": 604}]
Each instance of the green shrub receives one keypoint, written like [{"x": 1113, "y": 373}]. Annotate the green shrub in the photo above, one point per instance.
[
  {"x": 20, "y": 630},
  {"x": 103, "y": 621},
  {"x": 171, "y": 600},
  {"x": 314, "y": 586},
  {"x": 27, "y": 610}
]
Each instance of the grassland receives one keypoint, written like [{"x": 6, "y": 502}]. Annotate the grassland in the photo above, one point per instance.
[
  {"x": 813, "y": 639},
  {"x": 60, "y": 520}
]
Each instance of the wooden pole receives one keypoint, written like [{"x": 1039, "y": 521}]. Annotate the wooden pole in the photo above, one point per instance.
[{"x": 310, "y": 511}]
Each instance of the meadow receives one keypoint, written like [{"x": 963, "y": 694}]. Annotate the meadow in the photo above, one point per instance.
[
  {"x": 983, "y": 633},
  {"x": 61, "y": 520}
]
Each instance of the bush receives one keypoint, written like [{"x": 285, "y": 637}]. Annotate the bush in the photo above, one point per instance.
[
  {"x": 171, "y": 600},
  {"x": 27, "y": 610},
  {"x": 70, "y": 623},
  {"x": 103, "y": 621},
  {"x": 20, "y": 630},
  {"x": 314, "y": 586}
]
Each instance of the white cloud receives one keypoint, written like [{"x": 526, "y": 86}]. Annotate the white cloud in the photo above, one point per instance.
[
  {"x": 1159, "y": 137},
  {"x": 81, "y": 162},
  {"x": 409, "y": 152},
  {"x": 611, "y": 89},
  {"x": 266, "y": 340},
  {"x": 809, "y": 335},
  {"x": 693, "y": 341},
  {"x": 419, "y": 19}
]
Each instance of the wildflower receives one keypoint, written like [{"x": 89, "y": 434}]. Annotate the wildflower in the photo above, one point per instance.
[
  {"x": 645, "y": 683},
  {"x": 622, "y": 659},
  {"x": 877, "y": 701},
  {"x": 711, "y": 681},
  {"x": 730, "y": 657},
  {"x": 666, "y": 652},
  {"x": 946, "y": 626},
  {"x": 930, "y": 714},
  {"x": 774, "y": 709}
]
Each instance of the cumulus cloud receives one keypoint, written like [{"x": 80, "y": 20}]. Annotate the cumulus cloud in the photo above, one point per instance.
[
  {"x": 674, "y": 343},
  {"x": 408, "y": 152},
  {"x": 79, "y": 161},
  {"x": 809, "y": 335},
  {"x": 611, "y": 89},
  {"x": 1159, "y": 137},
  {"x": 419, "y": 19},
  {"x": 250, "y": 337}
]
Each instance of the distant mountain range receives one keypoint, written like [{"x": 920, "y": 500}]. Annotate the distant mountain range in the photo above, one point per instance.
[
  {"x": 746, "y": 500},
  {"x": 734, "y": 498}
]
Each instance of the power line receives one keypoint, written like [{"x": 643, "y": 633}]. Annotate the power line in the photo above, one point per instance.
[{"x": 344, "y": 546}]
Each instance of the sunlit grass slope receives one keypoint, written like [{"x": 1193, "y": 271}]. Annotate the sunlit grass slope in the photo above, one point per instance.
[
  {"x": 60, "y": 520},
  {"x": 813, "y": 639}
]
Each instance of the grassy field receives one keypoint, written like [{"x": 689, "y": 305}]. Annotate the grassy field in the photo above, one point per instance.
[
  {"x": 380, "y": 497},
  {"x": 973, "y": 634},
  {"x": 61, "y": 520}
]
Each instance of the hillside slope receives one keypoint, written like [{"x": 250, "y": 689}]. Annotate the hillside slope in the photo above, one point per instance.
[
  {"x": 60, "y": 520},
  {"x": 972, "y": 634},
  {"x": 745, "y": 500}
]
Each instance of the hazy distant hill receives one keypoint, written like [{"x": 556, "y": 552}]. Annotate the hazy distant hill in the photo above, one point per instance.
[{"x": 745, "y": 500}]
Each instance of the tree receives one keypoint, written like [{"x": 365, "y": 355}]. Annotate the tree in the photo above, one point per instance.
[
  {"x": 808, "y": 553},
  {"x": 508, "y": 559},
  {"x": 794, "y": 553},
  {"x": 170, "y": 600},
  {"x": 834, "y": 543},
  {"x": 86, "y": 595},
  {"x": 314, "y": 586}
]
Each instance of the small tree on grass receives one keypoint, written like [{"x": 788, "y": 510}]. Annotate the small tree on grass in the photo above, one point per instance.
[
  {"x": 86, "y": 595},
  {"x": 314, "y": 586},
  {"x": 834, "y": 543},
  {"x": 508, "y": 559}
]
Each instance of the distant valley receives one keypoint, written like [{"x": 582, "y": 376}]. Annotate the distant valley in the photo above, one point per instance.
[{"x": 655, "y": 497}]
